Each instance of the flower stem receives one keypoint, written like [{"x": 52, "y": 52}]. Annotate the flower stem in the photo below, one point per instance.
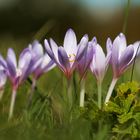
[
  {"x": 1, "y": 93},
  {"x": 31, "y": 92},
  {"x": 12, "y": 104},
  {"x": 69, "y": 93},
  {"x": 82, "y": 93},
  {"x": 112, "y": 85},
  {"x": 99, "y": 95}
]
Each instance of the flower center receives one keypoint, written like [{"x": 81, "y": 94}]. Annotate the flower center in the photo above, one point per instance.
[
  {"x": 71, "y": 57},
  {"x": 18, "y": 72}
]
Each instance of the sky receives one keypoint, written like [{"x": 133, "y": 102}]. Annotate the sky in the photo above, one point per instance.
[{"x": 108, "y": 3}]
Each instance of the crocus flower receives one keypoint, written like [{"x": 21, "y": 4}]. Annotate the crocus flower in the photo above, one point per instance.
[
  {"x": 66, "y": 57},
  {"x": 41, "y": 63},
  {"x": 121, "y": 59},
  {"x": 17, "y": 73},
  {"x": 3, "y": 75},
  {"x": 84, "y": 62},
  {"x": 99, "y": 65},
  {"x": 82, "y": 67}
]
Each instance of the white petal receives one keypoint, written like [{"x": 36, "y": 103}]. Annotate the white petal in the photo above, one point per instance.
[
  {"x": 45, "y": 61},
  {"x": 70, "y": 42},
  {"x": 24, "y": 60},
  {"x": 3, "y": 78},
  {"x": 136, "y": 46},
  {"x": 109, "y": 45},
  {"x": 37, "y": 48},
  {"x": 98, "y": 65},
  {"x": 120, "y": 42},
  {"x": 12, "y": 57}
]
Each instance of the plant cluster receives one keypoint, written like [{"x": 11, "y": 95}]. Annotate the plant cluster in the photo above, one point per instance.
[{"x": 73, "y": 56}]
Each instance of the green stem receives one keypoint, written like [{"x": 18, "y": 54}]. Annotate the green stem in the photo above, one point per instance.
[
  {"x": 82, "y": 93},
  {"x": 13, "y": 98},
  {"x": 112, "y": 85},
  {"x": 1, "y": 93},
  {"x": 99, "y": 95},
  {"x": 31, "y": 92},
  {"x": 69, "y": 93}
]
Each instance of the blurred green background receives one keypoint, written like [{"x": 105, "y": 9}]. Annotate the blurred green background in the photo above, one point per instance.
[{"x": 21, "y": 21}]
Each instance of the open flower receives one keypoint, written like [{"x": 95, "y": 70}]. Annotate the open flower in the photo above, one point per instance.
[
  {"x": 100, "y": 64},
  {"x": 122, "y": 57},
  {"x": 66, "y": 57},
  {"x": 17, "y": 73}
]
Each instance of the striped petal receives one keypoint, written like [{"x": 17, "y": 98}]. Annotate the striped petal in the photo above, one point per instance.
[
  {"x": 64, "y": 60},
  {"x": 11, "y": 63}
]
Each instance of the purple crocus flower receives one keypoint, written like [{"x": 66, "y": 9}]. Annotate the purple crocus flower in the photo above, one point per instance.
[
  {"x": 66, "y": 57},
  {"x": 100, "y": 62},
  {"x": 41, "y": 63},
  {"x": 121, "y": 59},
  {"x": 84, "y": 62},
  {"x": 99, "y": 65},
  {"x": 17, "y": 73},
  {"x": 82, "y": 67},
  {"x": 3, "y": 75}
]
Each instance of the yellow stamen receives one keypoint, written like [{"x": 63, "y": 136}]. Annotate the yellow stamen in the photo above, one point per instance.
[{"x": 71, "y": 57}]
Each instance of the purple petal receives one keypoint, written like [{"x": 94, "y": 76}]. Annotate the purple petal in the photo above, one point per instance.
[
  {"x": 11, "y": 63},
  {"x": 108, "y": 59},
  {"x": 3, "y": 62},
  {"x": 126, "y": 58},
  {"x": 24, "y": 60},
  {"x": 70, "y": 42},
  {"x": 12, "y": 57},
  {"x": 115, "y": 60},
  {"x": 94, "y": 40},
  {"x": 48, "y": 49},
  {"x": 63, "y": 59},
  {"x": 82, "y": 47},
  {"x": 25, "y": 51},
  {"x": 85, "y": 61},
  {"x": 54, "y": 49},
  {"x": 120, "y": 42},
  {"x": 99, "y": 63},
  {"x": 36, "y": 64},
  {"x": 24, "y": 64},
  {"x": 136, "y": 46},
  {"x": 45, "y": 61},
  {"x": 50, "y": 66},
  {"x": 109, "y": 45},
  {"x": 37, "y": 49},
  {"x": 3, "y": 78}
]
